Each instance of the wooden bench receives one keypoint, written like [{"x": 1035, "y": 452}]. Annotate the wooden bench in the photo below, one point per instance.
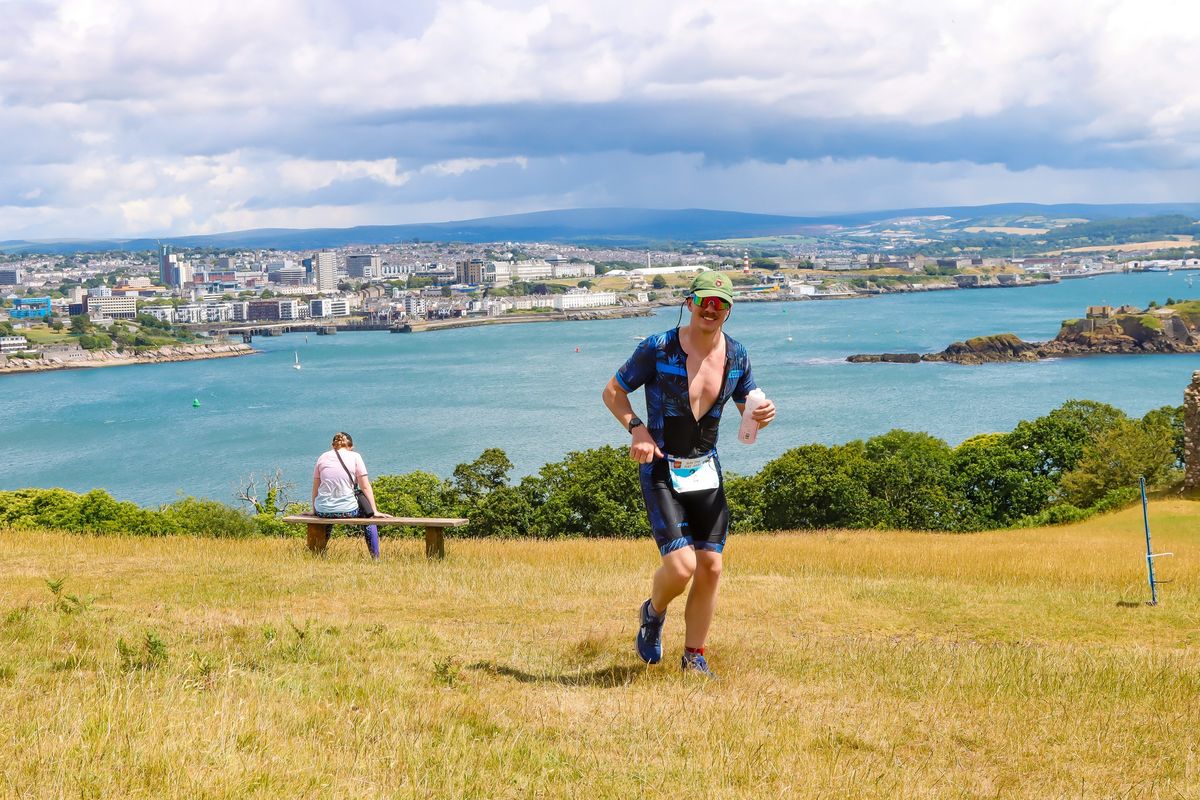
[{"x": 435, "y": 546}]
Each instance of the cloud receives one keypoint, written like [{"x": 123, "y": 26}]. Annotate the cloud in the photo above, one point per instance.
[{"x": 144, "y": 117}]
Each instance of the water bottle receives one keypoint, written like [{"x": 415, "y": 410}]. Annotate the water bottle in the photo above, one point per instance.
[{"x": 748, "y": 431}]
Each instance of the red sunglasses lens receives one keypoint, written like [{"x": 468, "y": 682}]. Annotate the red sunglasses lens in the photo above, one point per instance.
[{"x": 714, "y": 304}]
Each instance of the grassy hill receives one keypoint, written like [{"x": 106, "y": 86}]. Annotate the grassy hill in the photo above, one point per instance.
[{"x": 853, "y": 664}]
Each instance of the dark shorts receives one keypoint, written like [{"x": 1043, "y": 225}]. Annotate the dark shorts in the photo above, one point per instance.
[{"x": 692, "y": 519}]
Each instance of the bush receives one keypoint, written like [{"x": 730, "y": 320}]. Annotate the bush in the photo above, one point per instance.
[
  {"x": 815, "y": 486},
  {"x": 589, "y": 493},
  {"x": 208, "y": 518}
]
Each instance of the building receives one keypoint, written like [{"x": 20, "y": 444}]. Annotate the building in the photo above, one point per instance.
[
  {"x": 291, "y": 275},
  {"x": 112, "y": 307},
  {"x": 258, "y": 310},
  {"x": 11, "y": 276},
  {"x": 166, "y": 265},
  {"x": 13, "y": 344},
  {"x": 364, "y": 266},
  {"x": 325, "y": 271},
  {"x": 30, "y": 308},
  {"x": 289, "y": 309},
  {"x": 415, "y": 306},
  {"x": 469, "y": 271},
  {"x": 173, "y": 271},
  {"x": 329, "y": 307},
  {"x": 267, "y": 310},
  {"x": 584, "y": 299}
]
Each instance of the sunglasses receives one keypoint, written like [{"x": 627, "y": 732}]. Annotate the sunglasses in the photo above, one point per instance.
[{"x": 712, "y": 303}]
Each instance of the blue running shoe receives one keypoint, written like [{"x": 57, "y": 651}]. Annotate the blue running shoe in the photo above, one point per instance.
[
  {"x": 694, "y": 664},
  {"x": 649, "y": 637}
]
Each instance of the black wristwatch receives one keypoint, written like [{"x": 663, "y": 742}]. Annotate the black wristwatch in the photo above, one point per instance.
[{"x": 633, "y": 423}]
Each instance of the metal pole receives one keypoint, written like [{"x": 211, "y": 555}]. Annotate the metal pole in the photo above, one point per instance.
[{"x": 1149, "y": 551}]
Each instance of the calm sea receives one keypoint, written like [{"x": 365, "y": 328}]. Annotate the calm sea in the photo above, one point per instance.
[{"x": 430, "y": 401}]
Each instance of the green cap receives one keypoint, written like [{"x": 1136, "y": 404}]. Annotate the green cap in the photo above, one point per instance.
[{"x": 713, "y": 284}]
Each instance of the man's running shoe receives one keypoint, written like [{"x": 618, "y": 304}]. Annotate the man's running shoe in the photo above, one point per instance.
[
  {"x": 694, "y": 664},
  {"x": 649, "y": 637}
]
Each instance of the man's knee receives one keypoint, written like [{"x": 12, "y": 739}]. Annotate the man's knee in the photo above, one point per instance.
[
  {"x": 681, "y": 564},
  {"x": 709, "y": 567}
]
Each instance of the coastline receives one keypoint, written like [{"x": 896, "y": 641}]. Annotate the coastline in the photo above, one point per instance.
[
  {"x": 623, "y": 312},
  {"x": 111, "y": 358}
]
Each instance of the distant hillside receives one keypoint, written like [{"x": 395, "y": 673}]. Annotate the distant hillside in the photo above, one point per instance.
[{"x": 632, "y": 227}]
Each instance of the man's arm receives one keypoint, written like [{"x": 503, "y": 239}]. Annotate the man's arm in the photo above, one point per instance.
[{"x": 643, "y": 448}]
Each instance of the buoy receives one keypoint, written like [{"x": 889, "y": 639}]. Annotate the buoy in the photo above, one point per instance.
[
  {"x": 196, "y": 402},
  {"x": 576, "y": 349}
]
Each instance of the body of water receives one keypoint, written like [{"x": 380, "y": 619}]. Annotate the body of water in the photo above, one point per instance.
[{"x": 432, "y": 400}]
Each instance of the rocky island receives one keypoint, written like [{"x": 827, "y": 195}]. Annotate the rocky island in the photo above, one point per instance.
[{"x": 1103, "y": 331}]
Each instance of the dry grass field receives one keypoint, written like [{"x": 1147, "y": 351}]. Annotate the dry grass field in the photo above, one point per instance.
[
  {"x": 1135, "y": 247},
  {"x": 1005, "y": 229},
  {"x": 852, "y": 664}
]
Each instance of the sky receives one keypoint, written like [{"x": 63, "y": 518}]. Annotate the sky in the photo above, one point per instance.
[{"x": 127, "y": 118}]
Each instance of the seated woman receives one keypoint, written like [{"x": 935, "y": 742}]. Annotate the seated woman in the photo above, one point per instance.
[{"x": 334, "y": 478}]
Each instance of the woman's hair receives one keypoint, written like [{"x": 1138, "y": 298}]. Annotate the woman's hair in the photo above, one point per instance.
[{"x": 341, "y": 440}]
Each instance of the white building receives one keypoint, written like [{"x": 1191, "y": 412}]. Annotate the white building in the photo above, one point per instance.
[
  {"x": 584, "y": 299},
  {"x": 160, "y": 313},
  {"x": 663, "y": 270},
  {"x": 13, "y": 344},
  {"x": 415, "y": 306},
  {"x": 113, "y": 307},
  {"x": 325, "y": 271},
  {"x": 564, "y": 269},
  {"x": 289, "y": 309},
  {"x": 329, "y": 307}
]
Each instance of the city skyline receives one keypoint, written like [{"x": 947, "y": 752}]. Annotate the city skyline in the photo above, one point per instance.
[{"x": 154, "y": 120}]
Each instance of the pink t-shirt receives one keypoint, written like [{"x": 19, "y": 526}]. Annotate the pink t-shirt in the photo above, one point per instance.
[{"x": 335, "y": 490}]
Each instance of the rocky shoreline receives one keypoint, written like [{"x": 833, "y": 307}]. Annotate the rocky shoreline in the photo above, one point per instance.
[
  {"x": 1131, "y": 331},
  {"x": 112, "y": 358}
]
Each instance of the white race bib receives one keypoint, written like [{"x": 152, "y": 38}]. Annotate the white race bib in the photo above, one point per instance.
[{"x": 693, "y": 474}]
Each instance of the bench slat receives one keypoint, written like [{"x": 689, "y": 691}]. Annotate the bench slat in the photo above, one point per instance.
[{"x": 429, "y": 522}]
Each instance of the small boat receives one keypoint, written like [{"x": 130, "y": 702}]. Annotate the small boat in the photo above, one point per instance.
[{"x": 297, "y": 364}]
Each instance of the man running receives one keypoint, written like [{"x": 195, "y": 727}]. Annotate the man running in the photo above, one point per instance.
[{"x": 689, "y": 374}]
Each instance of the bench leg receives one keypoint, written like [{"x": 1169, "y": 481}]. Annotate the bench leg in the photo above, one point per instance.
[
  {"x": 317, "y": 537},
  {"x": 435, "y": 547}
]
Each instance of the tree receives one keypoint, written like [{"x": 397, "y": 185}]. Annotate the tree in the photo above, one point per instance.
[
  {"x": 1057, "y": 440},
  {"x": 413, "y": 494},
  {"x": 589, "y": 493},
  {"x": 1117, "y": 458},
  {"x": 908, "y": 476},
  {"x": 474, "y": 480},
  {"x": 814, "y": 486},
  {"x": 1172, "y": 418},
  {"x": 80, "y": 324},
  {"x": 999, "y": 481},
  {"x": 659, "y": 282}
]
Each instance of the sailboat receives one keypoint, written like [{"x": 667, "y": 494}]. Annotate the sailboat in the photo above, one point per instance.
[{"x": 297, "y": 364}]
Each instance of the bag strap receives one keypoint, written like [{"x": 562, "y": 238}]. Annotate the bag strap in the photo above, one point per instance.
[{"x": 353, "y": 482}]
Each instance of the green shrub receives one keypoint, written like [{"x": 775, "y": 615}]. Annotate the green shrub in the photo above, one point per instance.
[{"x": 208, "y": 518}]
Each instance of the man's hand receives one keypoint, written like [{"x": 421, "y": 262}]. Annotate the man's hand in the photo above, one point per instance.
[
  {"x": 764, "y": 414},
  {"x": 643, "y": 449}
]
